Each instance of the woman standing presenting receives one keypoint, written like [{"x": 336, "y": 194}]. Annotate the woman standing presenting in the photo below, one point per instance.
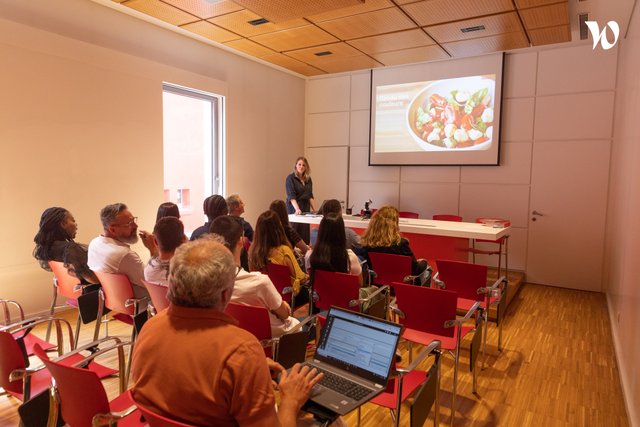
[{"x": 300, "y": 194}]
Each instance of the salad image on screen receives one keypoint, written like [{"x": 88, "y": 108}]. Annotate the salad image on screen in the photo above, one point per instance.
[{"x": 454, "y": 113}]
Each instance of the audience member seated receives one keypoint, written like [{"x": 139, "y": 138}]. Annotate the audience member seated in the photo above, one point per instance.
[
  {"x": 334, "y": 206},
  {"x": 168, "y": 234},
  {"x": 167, "y": 209},
  {"x": 236, "y": 209},
  {"x": 193, "y": 364},
  {"x": 213, "y": 206},
  {"x": 279, "y": 207},
  {"x": 271, "y": 245},
  {"x": 330, "y": 252},
  {"x": 383, "y": 235},
  {"x": 253, "y": 288},
  {"x": 111, "y": 253},
  {"x": 54, "y": 242}
]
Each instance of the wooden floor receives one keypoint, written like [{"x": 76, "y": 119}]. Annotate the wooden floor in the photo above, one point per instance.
[{"x": 557, "y": 368}]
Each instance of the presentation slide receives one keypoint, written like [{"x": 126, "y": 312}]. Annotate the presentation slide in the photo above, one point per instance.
[{"x": 449, "y": 119}]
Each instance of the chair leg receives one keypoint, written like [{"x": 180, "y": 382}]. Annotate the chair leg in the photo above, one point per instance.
[
  {"x": 455, "y": 374},
  {"x": 53, "y": 308},
  {"x": 99, "y": 316},
  {"x": 485, "y": 315},
  {"x": 359, "y": 414},
  {"x": 77, "y": 335},
  {"x": 398, "y": 401}
]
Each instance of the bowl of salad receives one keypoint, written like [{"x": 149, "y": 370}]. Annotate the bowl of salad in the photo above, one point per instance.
[{"x": 453, "y": 114}]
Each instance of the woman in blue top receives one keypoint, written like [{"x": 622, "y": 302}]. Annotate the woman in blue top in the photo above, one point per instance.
[{"x": 299, "y": 189}]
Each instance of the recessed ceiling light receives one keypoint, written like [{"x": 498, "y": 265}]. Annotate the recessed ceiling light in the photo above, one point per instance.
[
  {"x": 471, "y": 29},
  {"x": 258, "y": 21}
]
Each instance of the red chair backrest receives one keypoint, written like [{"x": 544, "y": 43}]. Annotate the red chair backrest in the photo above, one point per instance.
[
  {"x": 408, "y": 214},
  {"x": 447, "y": 217},
  {"x": 498, "y": 221},
  {"x": 335, "y": 289},
  {"x": 281, "y": 278},
  {"x": 463, "y": 278},
  {"x": 117, "y": 290},
  {"x": 81, "y": 393},
  {"x": 426, "y": 309},
  {"x": 389, "y": 268},
  {"x": 253, "y": 319},
  {"x": 158, "y": 294},
  {"x": 155, "y": 420},
  {"x": 11, "y": 357},
  {"x": 66, "y": 282}
]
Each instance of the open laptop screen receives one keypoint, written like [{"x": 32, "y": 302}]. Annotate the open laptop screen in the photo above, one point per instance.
[{"x": 362, "y": 344}]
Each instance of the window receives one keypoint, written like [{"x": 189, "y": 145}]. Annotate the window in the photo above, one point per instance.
[{"x": 193, "y": 150}]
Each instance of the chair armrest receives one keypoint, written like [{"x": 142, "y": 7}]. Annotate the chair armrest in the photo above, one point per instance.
[
  {"x": 377, "y": 292},
  {"x": 287, "y": 290},
  {"x": 439, "y": 283},
  {"x": 422, "y": 276},
  {"x": 395, "y": 310},
  {"x": 490, "y": 290},
  {"x": 5, "y": 305},
  {"x": 433, "y": 346},
  {"x": 132, "y": 301},
  {"x": 21, "y": 374},
  {"x": 304, "y": 322},
  {"x": 28, "y": 324},
  {"x": 467, "y": 316},
  {"x": 111, "y": 419}
]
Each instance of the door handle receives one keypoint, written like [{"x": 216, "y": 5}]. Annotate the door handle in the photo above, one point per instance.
[{"x": 536, "y": 213}]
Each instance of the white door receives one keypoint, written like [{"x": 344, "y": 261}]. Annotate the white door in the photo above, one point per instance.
[{"x": 567, "y": 213}]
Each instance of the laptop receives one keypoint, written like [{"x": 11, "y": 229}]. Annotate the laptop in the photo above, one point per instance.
[{"x": 355, "y": 352}]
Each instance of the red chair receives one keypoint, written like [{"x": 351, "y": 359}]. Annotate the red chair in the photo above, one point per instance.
[
  {"x": 81, "y": 396},
  {"x": 447, "y": 217},
  {"x": 390, "y": 268},
  {"x": 29, "y": 339},
  {"x": 17, "y": 377},
  {"x": 343, "y": 290},
  {"x": 158, "y": 295},
  {"x": 502, "y": 248},
  {"x": 287, "y": 349},
  {"x": 430, "y": 314},
  {"x": 408, "y": 214},
  {"x": 407, "y": 382},
  {"x": 281, "y": 278},
  {"x": 68, "y": 286},
  {"x": 156, "y": 420},
  {"x": 117, "y": 295}
]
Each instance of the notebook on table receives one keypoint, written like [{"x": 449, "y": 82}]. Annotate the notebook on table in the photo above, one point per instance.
[{"x": 355, "y": 353}]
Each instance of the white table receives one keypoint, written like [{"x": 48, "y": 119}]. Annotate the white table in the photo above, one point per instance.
[{"x": 429, "y": 238}]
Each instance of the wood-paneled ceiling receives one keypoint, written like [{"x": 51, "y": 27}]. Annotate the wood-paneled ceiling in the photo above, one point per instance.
[{"x": 366, "y": 33}]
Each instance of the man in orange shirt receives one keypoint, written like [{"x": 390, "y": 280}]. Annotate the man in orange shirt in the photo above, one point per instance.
[{"x": 193, "y": 364}]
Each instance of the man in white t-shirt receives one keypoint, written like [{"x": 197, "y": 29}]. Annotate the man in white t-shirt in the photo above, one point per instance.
[
  {"x": 111, "y": 253},
  {"x": 253, "y": 288}
]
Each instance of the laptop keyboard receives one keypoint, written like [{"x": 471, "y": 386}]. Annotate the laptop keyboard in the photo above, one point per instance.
[{"x": 343, "y": 385}]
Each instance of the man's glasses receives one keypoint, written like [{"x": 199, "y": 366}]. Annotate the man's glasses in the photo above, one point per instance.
[{"x": 127, "y": 224}]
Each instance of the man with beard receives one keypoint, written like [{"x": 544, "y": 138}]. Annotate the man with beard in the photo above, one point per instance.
[{"x": 110, "y": 252}]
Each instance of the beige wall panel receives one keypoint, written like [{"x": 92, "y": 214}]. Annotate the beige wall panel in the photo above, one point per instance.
[
  {"x": 328, "y": 94},
  {"x": 517, "y": 119},
  {"x": 359, "y": 128},
  {"x": 520, "y": 74},
  {"x": 359, "y": 169},
  {"x": 576, "y": 69},
  {"x": 430, "y": 174},
  {"x": 515, "y": 167},
  {"x": 361, "y": 91},
  {"x": 380, "y": 193},
  {"x": 495, "y": 201},
  {"x": 327, "y": 129},
  {"x": 329, "y": 172},
  {"x": 429, "y": 198},
  {"x": 576, "y": 116}
]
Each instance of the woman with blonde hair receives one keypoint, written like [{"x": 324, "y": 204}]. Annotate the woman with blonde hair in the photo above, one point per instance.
[
  {"x": 271, "y": 245},
  {"x": 383, "y": 235},
  {"x": 299, "y": 188}
]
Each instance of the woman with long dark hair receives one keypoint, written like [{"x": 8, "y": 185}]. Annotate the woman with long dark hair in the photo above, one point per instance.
[
  {"x": 167, "y": 209},
  {"x": 270, "y": 245},
  {"x": 54, "y": 242},
  {"x": 330, "y": 252},
  {"x": 279, "y": 207}
]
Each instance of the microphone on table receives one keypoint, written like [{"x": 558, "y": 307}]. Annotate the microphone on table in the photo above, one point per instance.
[{"x": 367, "y": 212}]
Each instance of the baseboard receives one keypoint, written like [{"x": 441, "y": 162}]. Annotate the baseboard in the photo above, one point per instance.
[{"x": 632, "y": 412}]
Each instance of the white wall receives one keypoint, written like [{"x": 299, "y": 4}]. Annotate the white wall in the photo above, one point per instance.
[
  {"x": 338, "y": 120},
  {"x": 622, "y": 269},
  {"x": 81, "y": 123}
]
